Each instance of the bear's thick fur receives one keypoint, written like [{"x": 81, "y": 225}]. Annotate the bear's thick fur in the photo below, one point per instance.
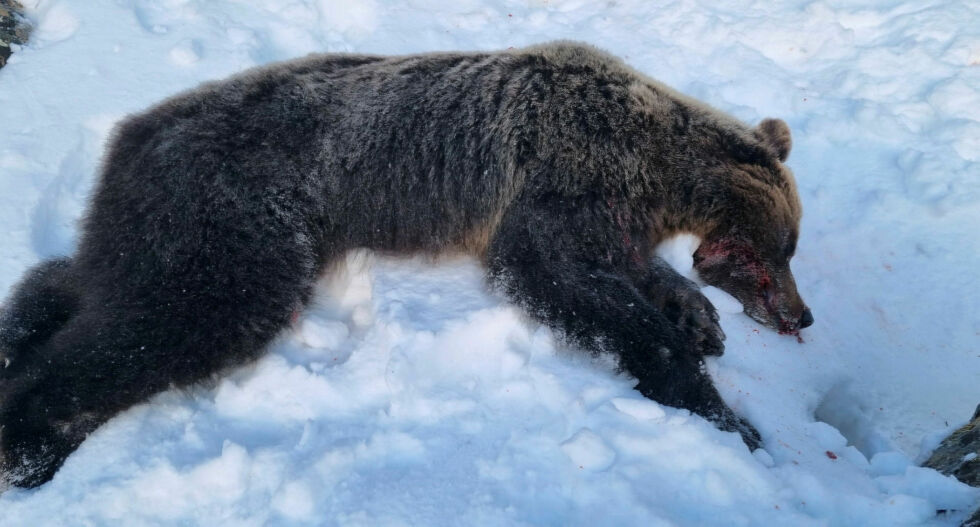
[{"x": 557, "y": 165}]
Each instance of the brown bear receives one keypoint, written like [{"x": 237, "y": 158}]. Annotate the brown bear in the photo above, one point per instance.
[{"x": 558, "y": 166}]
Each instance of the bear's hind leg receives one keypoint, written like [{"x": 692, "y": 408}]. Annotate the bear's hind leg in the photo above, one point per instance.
[
  {"x": 38, "y": 306},
  {"x": 136, "y": 341}
]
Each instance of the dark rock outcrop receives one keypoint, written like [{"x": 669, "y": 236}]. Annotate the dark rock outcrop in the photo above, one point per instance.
[
  {"x": 14, "y": 28},
  {"x": 959, "y": 456}
]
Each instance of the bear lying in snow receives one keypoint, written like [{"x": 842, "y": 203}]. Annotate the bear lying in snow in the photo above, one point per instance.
[{"x": 558, "y": 166}]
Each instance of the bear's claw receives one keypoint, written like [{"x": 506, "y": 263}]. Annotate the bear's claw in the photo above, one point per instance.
[{"x": 729, "y": 421}]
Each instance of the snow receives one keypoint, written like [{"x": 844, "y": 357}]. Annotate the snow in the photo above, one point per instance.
[{"x": 409, "y": 395}]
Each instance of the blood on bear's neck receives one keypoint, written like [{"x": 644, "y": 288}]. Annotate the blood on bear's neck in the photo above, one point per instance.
[{"x": 739, "y": 258}]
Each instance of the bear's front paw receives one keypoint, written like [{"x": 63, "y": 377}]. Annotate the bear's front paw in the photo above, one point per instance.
[{"x": 692, "y": 313}]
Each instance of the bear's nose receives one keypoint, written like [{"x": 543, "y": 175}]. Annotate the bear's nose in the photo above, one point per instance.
[{"x": 806, "y": 319}]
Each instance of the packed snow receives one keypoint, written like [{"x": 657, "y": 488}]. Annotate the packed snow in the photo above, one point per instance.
[{"x": 410, "y": 395}]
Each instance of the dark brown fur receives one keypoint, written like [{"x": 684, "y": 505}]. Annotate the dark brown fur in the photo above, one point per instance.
[{"x": 558, "y": 166}]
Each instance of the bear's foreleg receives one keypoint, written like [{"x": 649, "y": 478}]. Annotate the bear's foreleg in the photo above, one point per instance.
[
  {"x": 681, "y": 301},
  {"x": 556, "y": 262}
]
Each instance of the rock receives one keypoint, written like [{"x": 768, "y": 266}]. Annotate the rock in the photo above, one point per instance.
[
  {"x": 14, "y": 28},
  {"x": 959, "y": 456}
]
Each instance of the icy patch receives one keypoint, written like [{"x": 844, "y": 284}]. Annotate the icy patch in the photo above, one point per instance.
[
  {"x": 588, "y": 451},
  {"x": 355, "y": 20},
  {"x": 642, "y": 409},
  {"x": 889, "y": 464},
  {"x": 295, "y": 502},
  {"x": 186, "y": 53},
  {"x": 942, "y": 492},
  {"x": 323, "y": 334},
  {"x": 58, "y": 23}
]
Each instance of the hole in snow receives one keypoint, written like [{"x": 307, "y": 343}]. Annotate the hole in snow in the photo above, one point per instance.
[{"x": 842, "y": 409}]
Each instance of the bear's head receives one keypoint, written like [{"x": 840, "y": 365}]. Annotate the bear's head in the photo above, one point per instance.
[{"x": 748, "y": 253}]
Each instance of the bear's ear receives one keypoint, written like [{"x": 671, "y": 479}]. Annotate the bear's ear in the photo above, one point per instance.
[{"x": 775, "y": 133}]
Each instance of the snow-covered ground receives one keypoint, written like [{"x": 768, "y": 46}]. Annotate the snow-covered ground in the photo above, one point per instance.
[{"x": 410, "y": 396}]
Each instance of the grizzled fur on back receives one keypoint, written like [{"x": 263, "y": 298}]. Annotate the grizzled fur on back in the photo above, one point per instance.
[{"x": 557, "y": 165}]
